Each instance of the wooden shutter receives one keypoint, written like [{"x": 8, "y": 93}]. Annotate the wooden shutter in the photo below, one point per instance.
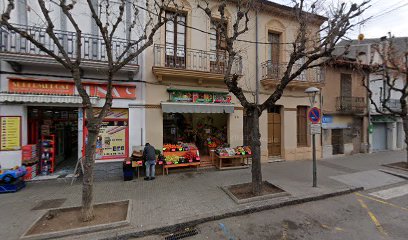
[{"x": 301, "y": 126}]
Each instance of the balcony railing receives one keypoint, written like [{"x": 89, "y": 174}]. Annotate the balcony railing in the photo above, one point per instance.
[
  {"x": 351, "y": 104},
  {"x": 195, "y": 60},
  {"x": 93, "y": 47},
  {"x": 274, "y": 71},
  {"x": 393, "y": 104}
]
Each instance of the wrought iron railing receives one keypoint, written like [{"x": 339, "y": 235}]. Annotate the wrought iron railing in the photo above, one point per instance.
[
  {"x": 93, "y": 47},
  {"x": 351, "y": 104},
  {"x": 274, "y": 71},
  {"x": 194, "y": 59},
  {"x": 393, "y": 104}
]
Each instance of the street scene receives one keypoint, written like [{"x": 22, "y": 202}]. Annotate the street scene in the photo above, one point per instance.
[{"x": 203, "y": 119}]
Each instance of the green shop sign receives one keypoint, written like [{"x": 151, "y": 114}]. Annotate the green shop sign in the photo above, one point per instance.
[
  {"x": 383, "y": 118},
  {"x": 198, "y": 96}
]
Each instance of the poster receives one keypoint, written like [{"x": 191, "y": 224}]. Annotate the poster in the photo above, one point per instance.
[
  {"x": 10, "y": 133},
  {"x": 111, "y": 141}
]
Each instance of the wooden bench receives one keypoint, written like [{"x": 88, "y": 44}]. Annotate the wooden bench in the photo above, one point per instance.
[{"x": 166, "y": 167}]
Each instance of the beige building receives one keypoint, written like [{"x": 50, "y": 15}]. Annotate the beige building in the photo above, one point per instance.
[
  {"x": 184, "y": 72},
  {"x": 345, "y": 121}
]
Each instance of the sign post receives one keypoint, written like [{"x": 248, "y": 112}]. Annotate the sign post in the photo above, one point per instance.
[{"x": 315, "y": 128}]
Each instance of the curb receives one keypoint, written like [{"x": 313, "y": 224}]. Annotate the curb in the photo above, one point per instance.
[
  {"x": 397, "y": 174},
  {"x": 249, "y": 210}
]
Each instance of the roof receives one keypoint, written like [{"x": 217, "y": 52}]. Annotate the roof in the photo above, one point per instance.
[
  {"x": 288, "y": 9},
  {"x": 356, "y": 47}
]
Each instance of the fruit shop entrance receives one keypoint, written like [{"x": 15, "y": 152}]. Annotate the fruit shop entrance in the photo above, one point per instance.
[
  {"x": 55, "y": 131},
  {"x": 206, "y": 131}
]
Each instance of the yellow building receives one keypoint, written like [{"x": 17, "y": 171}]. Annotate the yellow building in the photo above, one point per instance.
[{"x": 185, "y": 92}]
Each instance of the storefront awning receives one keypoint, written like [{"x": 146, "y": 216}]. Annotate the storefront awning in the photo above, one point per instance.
[
  {"x": 176, "y": 107},
  {"x": 31, "y": 98}
]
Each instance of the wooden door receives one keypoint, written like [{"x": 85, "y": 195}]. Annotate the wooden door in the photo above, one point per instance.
[
  {"x": 274, "y": 132},
  {"x": 337, "y": 141}
]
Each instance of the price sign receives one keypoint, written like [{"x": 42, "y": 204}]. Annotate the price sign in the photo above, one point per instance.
[{"x": 10, "y": 133}]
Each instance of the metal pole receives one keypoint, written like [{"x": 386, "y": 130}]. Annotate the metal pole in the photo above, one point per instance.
[
  {"x": 314, "y": 161},
  {"x": 257, "y": 59}
]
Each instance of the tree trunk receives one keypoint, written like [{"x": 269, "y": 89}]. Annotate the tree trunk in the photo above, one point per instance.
[
  {"x": 87, "y": 182},
  {"x": 405, "y": 124},
  {"x": 255, "y": 142}
]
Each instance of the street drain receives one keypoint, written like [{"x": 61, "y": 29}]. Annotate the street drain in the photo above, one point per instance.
[{"x": 188, "y": 232}]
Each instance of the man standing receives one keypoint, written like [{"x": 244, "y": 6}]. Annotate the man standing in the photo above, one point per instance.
[{"x": 149, "y": 155}]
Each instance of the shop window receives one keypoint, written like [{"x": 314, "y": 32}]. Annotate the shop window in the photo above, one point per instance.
[
  {"x": 176, "y": 40},
  {"x": 302, "y": 126}
]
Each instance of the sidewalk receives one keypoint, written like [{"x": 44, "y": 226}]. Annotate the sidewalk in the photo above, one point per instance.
[{"x": 181, "y": 197}]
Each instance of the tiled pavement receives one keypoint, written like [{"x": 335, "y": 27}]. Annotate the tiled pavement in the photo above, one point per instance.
[{"x": 179, "y": 197}]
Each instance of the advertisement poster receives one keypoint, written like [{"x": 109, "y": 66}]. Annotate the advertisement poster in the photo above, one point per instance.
[
  {"x": 111, "y": 142},
  {"x": 10, "y": 133}
]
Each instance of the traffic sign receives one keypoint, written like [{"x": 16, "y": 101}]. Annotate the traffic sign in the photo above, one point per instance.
[
  {"x": 315, "y": 128},
  {"x": 314, "y": 115}
]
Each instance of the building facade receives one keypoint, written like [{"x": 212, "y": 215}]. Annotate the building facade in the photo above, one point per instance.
[
  {"x": 385, "y": 129},
  {"x": 38, "y": 98},
  {"x": 173, "y": 92},
  {"x": 184, "y": 60},
  {"x": 345, "y": 110}
]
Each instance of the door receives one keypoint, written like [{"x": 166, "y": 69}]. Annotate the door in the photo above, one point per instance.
[
  {"x": 345, "y": 92},
  {"x": 337, "y": 141},
  {"x": 274, "y": 131},
  {"x": 273, "y": 55},
  {"x": 176, "y": 41},
  {"x": 379, "y": 137}
]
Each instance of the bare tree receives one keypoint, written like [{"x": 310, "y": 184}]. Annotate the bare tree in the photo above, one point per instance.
[
  {"x": 308, "y": 46},
  {"x": 390, "y": 62},
  {"x": 108, "y": 16}
]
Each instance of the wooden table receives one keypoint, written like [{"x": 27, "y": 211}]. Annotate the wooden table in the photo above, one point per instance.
[
  {"x": 196, "y": 164},
  {"x": 138, "y": 166},
  {"x": 241, "y": 159}
]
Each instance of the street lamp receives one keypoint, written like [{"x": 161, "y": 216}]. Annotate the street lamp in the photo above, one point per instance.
[{"x": 312, "y": 92}]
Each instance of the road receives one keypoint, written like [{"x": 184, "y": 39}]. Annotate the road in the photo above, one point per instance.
[{"x": 380, "y": 213}]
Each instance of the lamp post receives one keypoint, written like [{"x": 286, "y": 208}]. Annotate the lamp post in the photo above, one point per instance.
[{"x": 312, "y": 92}]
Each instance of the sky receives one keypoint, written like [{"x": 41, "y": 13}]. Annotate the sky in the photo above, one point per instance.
[{"x": 388, "y": 16}]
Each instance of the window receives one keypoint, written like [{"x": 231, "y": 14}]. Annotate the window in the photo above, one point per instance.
[
  {"x": 302, "y": 126},
  {"x": 175, "y": 40},
  {"x": 218, "y": 45}
]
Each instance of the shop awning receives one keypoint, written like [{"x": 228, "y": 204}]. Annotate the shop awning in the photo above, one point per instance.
[
  {"x": 175, "y": 107},
  {"x": 31, "y": 98}
]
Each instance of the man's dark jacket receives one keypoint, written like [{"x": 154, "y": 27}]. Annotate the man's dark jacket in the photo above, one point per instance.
[{"x": 149, "y": 153}]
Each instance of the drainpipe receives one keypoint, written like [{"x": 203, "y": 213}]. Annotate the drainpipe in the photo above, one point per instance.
[
  {"x": 257, "y": 59},
  {"x": 368, "y": 102}
]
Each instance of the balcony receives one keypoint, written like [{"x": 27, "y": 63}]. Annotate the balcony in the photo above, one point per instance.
[
  {"x": 15, "y": 48},
  {"x": 192, "y": 64},
  {"x": 351, "y": 105},
  {"x": 392, "y": 104},
  {"x": 272, "y": 74}
]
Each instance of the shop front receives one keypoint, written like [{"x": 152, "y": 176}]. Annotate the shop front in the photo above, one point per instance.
[
  {"x": 197, "y": 119},
  {"x": 343, "y": 135},
  {"x": 51, "y": 124}
]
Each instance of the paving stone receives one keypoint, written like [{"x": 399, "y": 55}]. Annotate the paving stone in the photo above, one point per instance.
[{"x": 180, "y": 196}]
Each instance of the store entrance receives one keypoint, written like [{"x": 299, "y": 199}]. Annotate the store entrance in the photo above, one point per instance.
[
  {"x": 55, "y": 131},
  {"x": 206, "y": 131}
]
